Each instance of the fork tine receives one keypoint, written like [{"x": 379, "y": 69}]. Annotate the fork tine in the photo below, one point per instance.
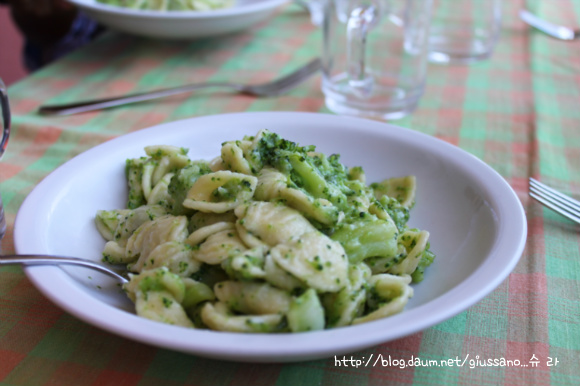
[
  {"x": 553, "y": 206},
  {"x": 290, "y": 80},
  {"x": 571, "y": 204},
  {"x": 558, "y": 202},
  {"x": 283, "y": 84}
]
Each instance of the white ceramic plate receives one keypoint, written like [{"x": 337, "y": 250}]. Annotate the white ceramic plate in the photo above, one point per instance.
[
  {"x": 477, "y": 225},
  {"x": 180, "y": 24}
]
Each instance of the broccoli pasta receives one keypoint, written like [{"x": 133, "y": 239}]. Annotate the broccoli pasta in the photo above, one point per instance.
[
  {"x": 269, "y": 236},
  {"x": 171, "y": 5}
]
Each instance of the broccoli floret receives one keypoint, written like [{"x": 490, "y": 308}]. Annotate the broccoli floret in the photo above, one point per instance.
[
  {"x": 332, "y": 169},
  {"x": 180, "y": 184},
  {"x": 268, "y": 148},
  {"x": 319, "y": 176}
]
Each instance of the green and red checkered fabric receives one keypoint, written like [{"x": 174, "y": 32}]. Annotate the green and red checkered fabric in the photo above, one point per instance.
[{"x": 519, "y": 112}]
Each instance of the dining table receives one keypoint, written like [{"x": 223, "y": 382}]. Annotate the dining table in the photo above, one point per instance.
[{"x": 518, "y": 111}]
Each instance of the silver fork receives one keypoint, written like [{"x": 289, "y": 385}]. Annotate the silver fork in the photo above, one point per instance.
[
  {"x": 558, "y": 202},
  {"x": 273, "y": 88}
]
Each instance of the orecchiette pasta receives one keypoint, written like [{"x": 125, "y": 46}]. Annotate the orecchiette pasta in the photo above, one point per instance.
[
  {"x": 201, "y": 234},
  {"x": 219, "y": 247},
  {"x": 218, "y": 316},
  {"x": 269, "y": 236},
  {"x": 315, "y": 259},
  {"x": 253, "y": 298},
  {"x": 153, "y": 233},
  {"x": 220, "y": 191}
]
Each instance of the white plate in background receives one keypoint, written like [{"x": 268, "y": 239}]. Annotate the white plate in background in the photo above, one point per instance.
[
  {"x": 180, "y": 24},
  {"x": 477, "y": 226}
]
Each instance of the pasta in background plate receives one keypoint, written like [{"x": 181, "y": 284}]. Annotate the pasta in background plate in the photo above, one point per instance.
[
  {"x": 269, "y": 236},
  {"x": 171, "y": 5}
]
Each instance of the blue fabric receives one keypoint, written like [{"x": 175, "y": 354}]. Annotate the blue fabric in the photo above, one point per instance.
[{"x": 82, "y": 30}]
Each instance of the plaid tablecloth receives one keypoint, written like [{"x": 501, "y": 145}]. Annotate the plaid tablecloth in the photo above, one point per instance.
[{"x": 519, "y": 112}]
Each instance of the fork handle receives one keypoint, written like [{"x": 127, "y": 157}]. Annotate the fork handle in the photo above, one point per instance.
[
  {"x": 555, "y": 31},
  {"x": 98, "y": 104}
]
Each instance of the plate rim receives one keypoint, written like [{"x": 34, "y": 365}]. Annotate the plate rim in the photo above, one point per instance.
[{"x": 516, "y": 240}]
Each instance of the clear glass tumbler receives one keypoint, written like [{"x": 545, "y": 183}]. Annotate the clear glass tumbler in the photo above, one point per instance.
[
  {"x": 464, "y": 31},
  {"x": 315, "y": 8},
  {"x": 375, "y": 56},
  {"x": 5, "y": 113}
]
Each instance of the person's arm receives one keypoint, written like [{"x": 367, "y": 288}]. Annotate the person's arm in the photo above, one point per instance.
[{"x": 42, "y": 21}]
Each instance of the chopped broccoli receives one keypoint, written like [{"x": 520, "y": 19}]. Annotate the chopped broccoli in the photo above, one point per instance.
[
  {"x": 398, "y": 212},
  {"x": 367, "y": 237},
  {"x": 159, "y": 279},
  {"x": 269, "y": 147},
  {"x": 181, "y": 182},
  {"x": 231, "y": 189},
  {"x": 427, "y": 258},
  {"x": 356, "y": 173},
  {"x": 134, "y": 174},
  {"x": 320, "y": 178},
  {"x": 315, "y": 174}
]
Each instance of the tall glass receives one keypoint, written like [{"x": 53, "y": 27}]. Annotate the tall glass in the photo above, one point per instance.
[
  {"x": 375, "y": 56},
  {"x": 5, "y": 113},
  {"x": 463, "y": 32}
]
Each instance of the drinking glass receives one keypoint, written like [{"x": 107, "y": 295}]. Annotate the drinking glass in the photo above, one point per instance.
[
  {"x": 375, "y": 56},
  {"x": 315, "y": 8},
  {"x": 464, "y": 32},
  {"x": 5, "y": 112}
]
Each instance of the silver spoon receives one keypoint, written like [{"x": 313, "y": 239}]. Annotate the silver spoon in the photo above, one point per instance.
[
  {"x": 28, "y": 260},
  {"x": 553, "y": 30}
]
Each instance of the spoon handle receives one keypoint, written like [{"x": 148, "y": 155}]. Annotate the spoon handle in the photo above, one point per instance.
[{"x": 28, "y": 260}]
